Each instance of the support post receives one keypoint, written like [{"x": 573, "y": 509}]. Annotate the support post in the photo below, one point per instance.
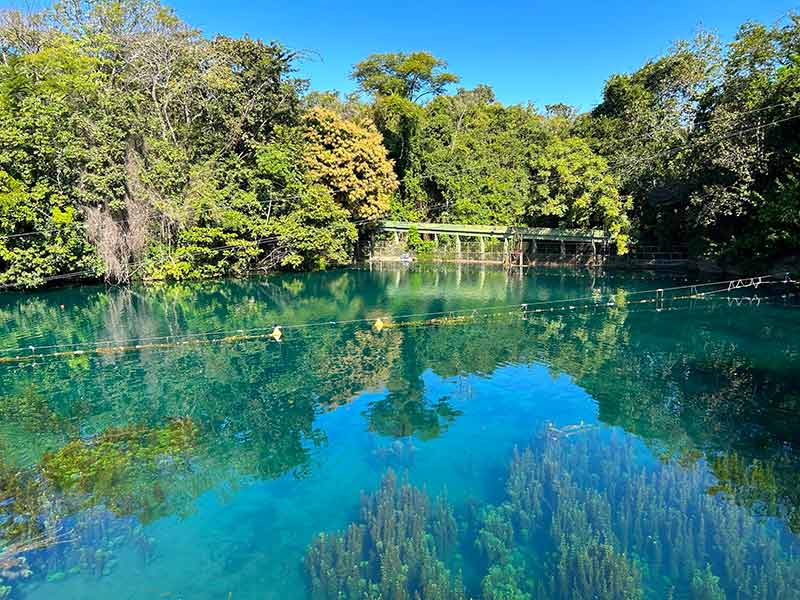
[
  {"x": 371, "y": 246},
  {"x": 506, "y": 258},
  {"x": 483, "y": 247},
  {"x": 458, "y": 247}
]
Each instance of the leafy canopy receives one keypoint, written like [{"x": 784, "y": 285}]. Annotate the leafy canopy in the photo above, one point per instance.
[{"x": 411, "y": 76}]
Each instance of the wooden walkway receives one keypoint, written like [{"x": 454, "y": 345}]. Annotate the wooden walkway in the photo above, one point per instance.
[
  {"x": 521, "y": 245},
  {"x": 544, "y": 234}
]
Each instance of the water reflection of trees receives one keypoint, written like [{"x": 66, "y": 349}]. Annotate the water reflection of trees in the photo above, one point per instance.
[
  {"x": 252, "y": 406},
  {"x": 706, "y": 382},
  {"x": 700, "y": 386},
  {"x": 677, "y": 379}
]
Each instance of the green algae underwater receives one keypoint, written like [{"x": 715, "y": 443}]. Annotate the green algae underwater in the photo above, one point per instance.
[{"x": 616, "y": 449}]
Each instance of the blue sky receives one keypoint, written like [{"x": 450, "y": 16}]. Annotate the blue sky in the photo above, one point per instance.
[{"x": 543, "y": 52}]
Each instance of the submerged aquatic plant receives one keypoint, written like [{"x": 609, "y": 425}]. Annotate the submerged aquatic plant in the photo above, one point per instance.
[
  {"x": 31, "y": 410},
  {"x": 592, "y": 570},
  {"x": 44, "y": 507},
  {"x": 392, "y": 553},
  {"x": 599, "y": 504},
  {"x": 495, "y": 539},
  {"x": 28, "y": 513},
  {"x": 14, "y": 564},
  {"x": 502, "y": 583},
  {"x": 705, "y": 585},
  {"x": 116, "y": 467},
  {"x": 584, "y": 517}
]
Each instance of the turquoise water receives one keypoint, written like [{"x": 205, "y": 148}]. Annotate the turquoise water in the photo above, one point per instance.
[{"x": 612, "y": 448}]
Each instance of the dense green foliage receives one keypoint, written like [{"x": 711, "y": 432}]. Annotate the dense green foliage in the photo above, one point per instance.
[
  {"x": 131, "y": 146},
  {"x": 705, "y": 139},
  {"x": 696, "y": 148}
]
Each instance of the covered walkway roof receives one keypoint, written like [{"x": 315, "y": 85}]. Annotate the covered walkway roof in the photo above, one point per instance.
[{"x": 544, "y": 234}]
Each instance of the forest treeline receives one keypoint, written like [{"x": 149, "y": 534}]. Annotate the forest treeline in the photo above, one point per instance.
[{"x": 133, "y": 146}]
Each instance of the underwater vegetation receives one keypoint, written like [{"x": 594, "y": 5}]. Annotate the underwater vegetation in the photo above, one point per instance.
[
  {"x": 394, "y": 552},
  {"x": 724, "y": 406},
  {"x": 690, "y": 393},
  {"x": 584, "y": 517},
  {"x": 71, "y": 503},
  {"x": 32, "y": 412},
  {"x": 116, "y": 467}
]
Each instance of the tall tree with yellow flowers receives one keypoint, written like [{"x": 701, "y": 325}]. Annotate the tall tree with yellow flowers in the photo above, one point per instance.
[{"x": 350, "y": 160}]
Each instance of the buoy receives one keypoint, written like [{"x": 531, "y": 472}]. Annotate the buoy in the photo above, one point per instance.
[
  {"x": 378, "y": 326},
  {"x": 276, "y": 334}
]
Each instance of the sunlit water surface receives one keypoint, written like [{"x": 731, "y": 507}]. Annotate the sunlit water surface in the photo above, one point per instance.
[{"x": 612, "y": 448}]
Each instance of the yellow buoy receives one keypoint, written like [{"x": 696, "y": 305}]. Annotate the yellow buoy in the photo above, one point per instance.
[
  {"x": 276, "y": 334},
  {"x": 378, "y": 326}
]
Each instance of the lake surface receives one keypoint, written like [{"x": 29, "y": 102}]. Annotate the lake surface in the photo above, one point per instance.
[{"x": 608, "y": 442}]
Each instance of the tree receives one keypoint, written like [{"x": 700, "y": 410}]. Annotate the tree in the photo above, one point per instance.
[
  {"x": 744, "y": 150},
  {"x": 316, "y": 234},
  {"x": 57, "y": 151},
  {"x": 641, "y": 126},
  {"x": 132, "y": 145},
  {"x": 469, "y": 159},
  {"x": 411, "y": 76},
  {"x": 313, "y": 231},
  {"x": 572, "y": 187},
  {"x": 349, "y": 159},
  {"x": 397, "y": 82},
  {"x": 350, "y": 106}
]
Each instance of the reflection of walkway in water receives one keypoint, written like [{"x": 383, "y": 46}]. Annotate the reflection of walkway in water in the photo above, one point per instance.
[{"x": 555, "y": 433}]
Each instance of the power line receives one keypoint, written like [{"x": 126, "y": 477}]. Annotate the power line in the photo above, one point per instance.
[
  {"x": 72, "y": 275},
  {"x": 714, "y": 140},
  {"x": 622, "y": 161},
  {"x": 609, "y": 162},
  {"x": 44, "y": 231},
  {"x": 695, "y": 124},
  {"x": 136, "y": 265}
]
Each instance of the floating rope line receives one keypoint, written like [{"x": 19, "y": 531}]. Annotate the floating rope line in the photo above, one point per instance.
[
  {"x": 478, "y": 318},
  {"x": 41, "y": 359},
  {"x": 241, "y": 334},
  {"x": 566, "y": 311},
  {"x": 135, "y": 348},
  {"x": 175, "y": 338},
  {"x": 378, "y": 324}
]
